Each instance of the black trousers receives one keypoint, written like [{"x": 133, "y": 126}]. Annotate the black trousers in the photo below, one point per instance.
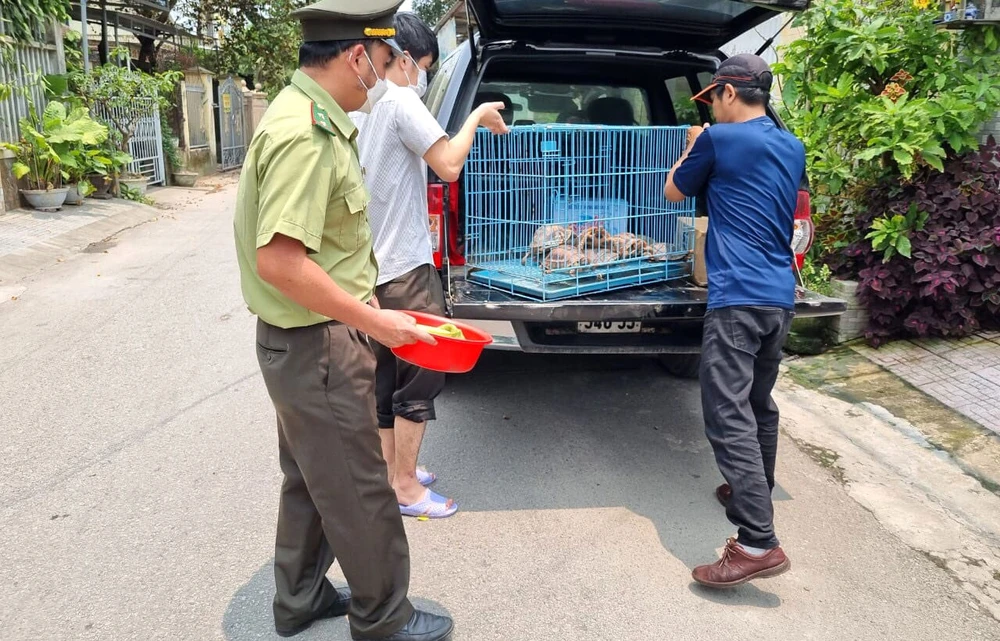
[
  {"x": 335, "y": 499},
  {"x": 741, "y": 352}
]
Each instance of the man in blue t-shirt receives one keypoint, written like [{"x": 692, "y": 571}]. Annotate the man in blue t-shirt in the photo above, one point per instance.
[{"x": 749, "y": 172}]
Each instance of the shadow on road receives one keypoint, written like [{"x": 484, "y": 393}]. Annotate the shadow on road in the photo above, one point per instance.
[
  {"x": 528, "y": 432},
  {"x": 248, "y": 617}
]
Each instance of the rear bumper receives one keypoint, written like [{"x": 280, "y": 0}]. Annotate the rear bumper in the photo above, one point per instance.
[
  {"x": 663, "y": 301},
  {"x": 672, "y": 316}
]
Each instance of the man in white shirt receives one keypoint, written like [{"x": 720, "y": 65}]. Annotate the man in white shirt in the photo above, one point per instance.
[{"x": 398, "y": 139}]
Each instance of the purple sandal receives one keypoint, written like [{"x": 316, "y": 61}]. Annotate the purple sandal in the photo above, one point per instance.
[
  {"x": 432, "y": 506},
  {"x": 426, "y": 478}
]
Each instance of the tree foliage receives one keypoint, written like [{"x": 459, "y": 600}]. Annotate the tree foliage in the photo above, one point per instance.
[
  {"x": 259, "y": 40},
  {"x": 22, "y": 18},
  {"x": 113, "y": 91},
  {"x": 22, "y": 21},
  {"x": 431, "y": 11},
  {"x": 876, "y": 90},
  {"x": 947, "y": 283}
]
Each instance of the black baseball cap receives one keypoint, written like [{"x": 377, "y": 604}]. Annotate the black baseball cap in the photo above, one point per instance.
[{"x": 743, "y": 70}]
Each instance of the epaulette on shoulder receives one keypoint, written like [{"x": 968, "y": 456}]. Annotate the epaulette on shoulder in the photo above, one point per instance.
[{"x": 321, "y": 119}]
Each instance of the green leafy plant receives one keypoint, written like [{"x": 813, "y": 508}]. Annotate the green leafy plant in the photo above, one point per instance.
[
  {"x": 86, "y": 188},
  {"x": 6, "y": 55},
  {"x": 35, "y": 161},
  {"x": 106, "y": 161},
  {"x": 113, "y": 92},
  {"x": 259, "y": 41},
  {"x": 24, "y": 17},
  {"x": 170, "y": 151},
  {"x": 23, "y": 20},
  {"x": 817, "y": 277},
  {"x": 877, "y": 91},
  {"x": 73, "y": 51},
  {"x": 431, "y": 11},
  {"x": 951, "y": 286},
  {"x": 44, "y": 154},
  {"x": 76, "y": 140},
  {"x": 891, "y": 235},
  {"x": 135, "y": 195}
]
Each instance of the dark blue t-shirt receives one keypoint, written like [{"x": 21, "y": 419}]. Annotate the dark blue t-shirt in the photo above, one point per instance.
[{"x": 749, "y": 173}]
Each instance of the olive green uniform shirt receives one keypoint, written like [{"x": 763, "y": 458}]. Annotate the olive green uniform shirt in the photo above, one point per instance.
[{"x": 302, "y": 178}]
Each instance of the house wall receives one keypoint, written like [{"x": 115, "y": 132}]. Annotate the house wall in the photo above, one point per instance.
[
  {"x": 30, "y": 60},
  {"x": 198, "y": 157}
]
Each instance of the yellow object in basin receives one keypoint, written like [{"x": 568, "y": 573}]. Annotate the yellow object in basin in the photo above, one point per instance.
[{"x": 447, "y": 330}]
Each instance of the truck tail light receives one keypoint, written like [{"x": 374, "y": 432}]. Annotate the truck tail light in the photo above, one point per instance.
[
  {"x": 804, "y": 231},
  {"x": 442, "y": 210},
  {"x": 435, "y": 213}
]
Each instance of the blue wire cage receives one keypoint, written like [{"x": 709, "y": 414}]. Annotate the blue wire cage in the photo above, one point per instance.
[{"x": 557, "y": 211}]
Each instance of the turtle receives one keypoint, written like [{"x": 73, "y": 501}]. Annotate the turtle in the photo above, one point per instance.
[
  {"x": 599, "y": 260},
  {"x": 600, "y": 256},
  {"x": 594, "y": 236},
  {"x": 629, "y": 245},
  {"x": 657, "y": 252},
  {"x": 546, "y": 238},
  {"x": 563, "y": 257}
]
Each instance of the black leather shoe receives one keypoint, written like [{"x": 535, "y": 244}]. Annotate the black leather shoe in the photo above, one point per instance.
[
  {"x": 338, "y": 608},
  {"x": 423, "y": 626}
]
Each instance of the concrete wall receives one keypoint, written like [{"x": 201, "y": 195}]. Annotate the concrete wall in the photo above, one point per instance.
[
  {"x": 200, "y": 159},
  {"x": 992, "y": 128},
  {"x": 254, "y": 106},
  {"x": 9, "y": 195},
  {"x": 852, "y": 323}
]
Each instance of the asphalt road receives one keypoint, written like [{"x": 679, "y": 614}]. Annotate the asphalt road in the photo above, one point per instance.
[{"x": 139, "y": 483}]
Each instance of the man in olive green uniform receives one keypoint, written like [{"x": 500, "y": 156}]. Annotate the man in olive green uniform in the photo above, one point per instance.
[{"x": 308, "y": 272}]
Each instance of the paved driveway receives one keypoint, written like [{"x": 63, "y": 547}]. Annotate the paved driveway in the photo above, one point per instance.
[{"x": 139, "y": 485}]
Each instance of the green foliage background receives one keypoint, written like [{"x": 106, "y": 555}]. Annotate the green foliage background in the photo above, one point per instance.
[{"x": 862, "y": 121}]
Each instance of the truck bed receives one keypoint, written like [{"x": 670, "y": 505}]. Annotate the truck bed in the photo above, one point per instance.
[{"x": 680, "y": 300}]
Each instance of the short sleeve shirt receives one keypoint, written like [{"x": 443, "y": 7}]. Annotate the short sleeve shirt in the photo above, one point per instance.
[
  {"x": 393, "y": 140},
  {"x": 749, "y": 174},
  {"x": 302, "y": 178}
]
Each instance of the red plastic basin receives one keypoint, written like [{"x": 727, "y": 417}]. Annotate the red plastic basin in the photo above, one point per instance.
[{"x": 450, "y": 355}]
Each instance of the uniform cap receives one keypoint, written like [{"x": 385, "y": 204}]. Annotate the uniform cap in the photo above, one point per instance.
[
  {"x": 349, "y": 20},
  {"x": 743, "y": 70}
]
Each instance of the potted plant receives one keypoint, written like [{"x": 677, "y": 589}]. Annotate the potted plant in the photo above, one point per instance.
[
  {"x": 185, "y": 178},
  {"x": 75, "y": 137},
  {"x": 103, "y": 167},
  {"x": 38, "y": 165},
  {"x": 77, "y": 167},
  {"x": 135, "y": 182},
  {"x": 116, "y": 89}
]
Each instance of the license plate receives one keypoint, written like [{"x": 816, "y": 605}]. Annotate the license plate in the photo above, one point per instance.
[{"x": 609, "y": 327}]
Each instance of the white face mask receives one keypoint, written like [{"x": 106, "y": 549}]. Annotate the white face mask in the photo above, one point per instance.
[
  {"x": 376, "y": 92},
  {"x": 421, "y": 87}
]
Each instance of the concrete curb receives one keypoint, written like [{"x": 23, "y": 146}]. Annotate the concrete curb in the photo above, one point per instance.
[
  {"x": 111, "y": 217},
  {"x": 35, "y": 257}
]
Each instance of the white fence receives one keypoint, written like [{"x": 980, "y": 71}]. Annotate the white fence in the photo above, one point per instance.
[
  {"x": 29, "y": 62},
  {"x": 146, "y": 144}
]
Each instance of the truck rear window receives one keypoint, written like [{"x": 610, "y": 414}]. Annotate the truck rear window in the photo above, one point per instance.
[{"x": 547, "y": 103}]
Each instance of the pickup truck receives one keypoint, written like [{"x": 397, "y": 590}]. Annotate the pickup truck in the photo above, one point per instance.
[{"x": 608, "y": 62}]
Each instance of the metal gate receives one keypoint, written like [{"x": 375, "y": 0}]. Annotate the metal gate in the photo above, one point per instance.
[
  {"x": 232, "y": 129},
  {"x": 146, "y": 144}
]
